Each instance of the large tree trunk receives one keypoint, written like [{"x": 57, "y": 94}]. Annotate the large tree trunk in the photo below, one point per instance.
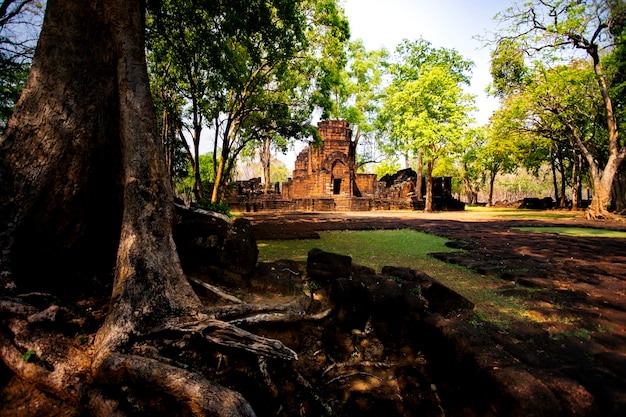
[
  {"x": 619, "y": 190},
  {"x": 602, "y": 182},
  {"x": 85, "y": 191}
]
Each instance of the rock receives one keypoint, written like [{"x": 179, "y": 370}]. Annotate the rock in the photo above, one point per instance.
[
  {"x": 352, "y": 303},
  {"x": 326, "y": 266},
  {"x": 239, "y": 252},
  {"x": 210, "y": 243},
  {"x": 441, "y": 299}
]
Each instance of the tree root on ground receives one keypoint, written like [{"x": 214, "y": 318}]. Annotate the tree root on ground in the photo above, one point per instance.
[{"x": 34, "y": 343}]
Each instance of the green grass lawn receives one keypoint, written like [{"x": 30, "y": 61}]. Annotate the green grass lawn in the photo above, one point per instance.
[
  {"x": 576, "y": 231},
  {"x": 405, "y": 248},
  {"x": 375, "y": 249},
  {"x": 525, "y": 213}
]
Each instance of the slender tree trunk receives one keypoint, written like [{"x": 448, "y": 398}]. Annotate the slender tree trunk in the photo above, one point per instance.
[
  {"x": 429, "y": 186},
  {"x": 266, "y": 159},
  {"x": 576, "y": 181},
  {"x": 561, "y": 201},
  {"x": 554, "y": 177},
  {"x": 472, "y": 196},
  {"x": 420, "y": 175},
  {"x": 197, "y": 179},
  {"x": 492, "y": 180}
]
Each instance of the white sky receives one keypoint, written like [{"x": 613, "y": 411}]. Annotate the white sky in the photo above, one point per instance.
[{"x": 450, "y": 24}]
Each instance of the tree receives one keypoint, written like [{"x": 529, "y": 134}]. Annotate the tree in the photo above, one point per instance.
[
  {"x": 547, "y": 113},
  {"x": 473, "y": 162},
  {"x": 85, "y": 188},
  {"x": 588, "y": 26},
  {"x": 425, "y": 109},
  {"x": 360, "y": 98},
  {"x": 19, "y": 26},
  {"x": 251, "y": 71}
]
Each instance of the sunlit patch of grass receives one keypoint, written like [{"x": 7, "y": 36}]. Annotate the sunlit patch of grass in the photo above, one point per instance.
[
  {"x": 524, "y": 213},
  {"x": 410, "y": 248},
  {"x": 374, "y": 248},
  {"x": 405, "y": 248},
  {"x": 576, "y": 231}
]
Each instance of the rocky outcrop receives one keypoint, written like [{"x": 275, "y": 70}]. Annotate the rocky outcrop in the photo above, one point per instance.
[{"x": 213, "y": 245}]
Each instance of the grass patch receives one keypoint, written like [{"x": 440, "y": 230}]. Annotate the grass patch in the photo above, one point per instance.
[
  {"x": 524, "y": 213},
  {"x": 405, "y": 248},
  {"x": 576, "y": 231},
  {"x": 377, "y": 248}
]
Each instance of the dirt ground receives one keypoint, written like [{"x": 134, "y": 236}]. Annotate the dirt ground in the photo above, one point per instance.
[
  {"x": 574, "y": 350},
  {"x": 568, "y": 359}
]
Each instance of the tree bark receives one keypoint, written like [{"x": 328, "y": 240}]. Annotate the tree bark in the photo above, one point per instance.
[
  {"x": 429, "y": 186},
  {"x": 85, "y": 191},
  {"x": 420, "y": 176},
  {"x": 492, "y": 180},
  {"x": 266, "y": 159}
]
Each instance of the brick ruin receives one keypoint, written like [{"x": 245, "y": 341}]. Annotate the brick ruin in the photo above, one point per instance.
[{"x": 325, "y": 178}]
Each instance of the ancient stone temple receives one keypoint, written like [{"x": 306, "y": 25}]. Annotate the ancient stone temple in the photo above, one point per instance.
[
  {"x": 326, "y": 174},
  {"x": 325, "y": 178}
]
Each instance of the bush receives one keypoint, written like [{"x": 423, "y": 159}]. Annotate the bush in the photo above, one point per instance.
[{"x": 206, "y": 204}]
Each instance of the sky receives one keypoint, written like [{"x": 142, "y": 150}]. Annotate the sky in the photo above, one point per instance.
[{"x": 451, "y": 24}]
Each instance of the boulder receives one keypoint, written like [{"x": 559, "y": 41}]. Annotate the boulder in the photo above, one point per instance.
[
  {"x": 441, "y": 299},
  {"x": 326, "y": 267},
  {"x": 211, "y": 243},
  {"x": 352, "y": 303}
]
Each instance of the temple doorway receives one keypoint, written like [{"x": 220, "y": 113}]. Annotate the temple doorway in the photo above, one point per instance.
[{"x": 337, "y": 186}]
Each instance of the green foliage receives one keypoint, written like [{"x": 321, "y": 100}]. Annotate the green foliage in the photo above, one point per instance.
[
  {"x": 387, "y": 167},
  {"x": 30, "y": 356},
  {"x": 252, "y": 70},
  {"x": 425, "y": 109},
  {"x": 508, "y": 69},
  {"x": 549, "y": 32},
  {"x": 12, "y": 80},
  {"x": 429, "y": 114},
  {"x": 206, "y": 204}
]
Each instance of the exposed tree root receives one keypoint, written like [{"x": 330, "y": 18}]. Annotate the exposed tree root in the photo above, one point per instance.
[
  {"x": 46, "y": 359},
  {"x": 59, "y": 366},
  {"x": 217, "y": 291},
  {"x": 202, "y": 397},
  {"x": 592, "y": 214}
]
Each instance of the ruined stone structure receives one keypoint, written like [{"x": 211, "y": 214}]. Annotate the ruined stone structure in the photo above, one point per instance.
[
  {"x": 328, "y": 172},
  {"x": 325, "y": 178}
]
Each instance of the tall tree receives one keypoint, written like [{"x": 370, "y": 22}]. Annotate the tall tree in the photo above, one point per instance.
[
  {"x": 429, "y": 116},
  {"x": 425, "y": 109},
  {"x": 239, "y": 63},
  {"x": 85, "y": 188},
  {"x": 589, "y": 26}
]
